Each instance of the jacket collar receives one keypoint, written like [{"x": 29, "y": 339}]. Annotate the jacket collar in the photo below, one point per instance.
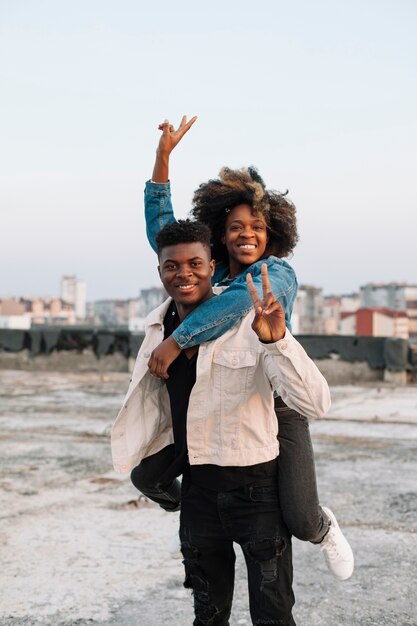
[{"x": 156, "y": 317}]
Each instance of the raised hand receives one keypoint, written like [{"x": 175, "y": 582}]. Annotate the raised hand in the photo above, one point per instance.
[
  {"x": 169, "y": 139},
  {"x": 269, "y": 320}
]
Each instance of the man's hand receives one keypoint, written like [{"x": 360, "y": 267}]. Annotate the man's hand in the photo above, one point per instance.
[
  {"x": 162, "y": 357},
  {"x": 269, "y": 320},
  {"x": 169, "y": 139}
]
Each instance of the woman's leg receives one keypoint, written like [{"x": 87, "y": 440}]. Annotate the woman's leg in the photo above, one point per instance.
[
  {"x": 297, "y": 485},
  {"x": 146, "y": 478},
  {"x": 297, "y": 489}
]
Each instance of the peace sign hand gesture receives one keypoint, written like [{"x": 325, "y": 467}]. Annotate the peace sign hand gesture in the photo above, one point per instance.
[
  {"x": 269, "y": 320},
  {"x": 170, "y": 137}
]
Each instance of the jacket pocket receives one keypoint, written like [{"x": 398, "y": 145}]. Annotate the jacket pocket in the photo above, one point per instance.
[
  {"x": 233, "y": 374},
  {"x": 234, "y": 371},
  {"x": 235, "y": 359}
]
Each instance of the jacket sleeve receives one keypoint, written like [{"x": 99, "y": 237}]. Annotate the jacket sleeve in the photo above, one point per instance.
[
  {"x": 295, "y": 377},
  {"x": 214, "y": 317},
  {"x": 158, "y": 209}
]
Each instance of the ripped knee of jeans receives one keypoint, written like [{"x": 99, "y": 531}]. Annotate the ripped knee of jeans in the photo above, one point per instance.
[
  {"x": 266, "y": 552},
  {"x": 196, "y": 580}
]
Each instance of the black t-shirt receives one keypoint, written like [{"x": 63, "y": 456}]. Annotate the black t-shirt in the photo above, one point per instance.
[{"x": 182, "y": 376}]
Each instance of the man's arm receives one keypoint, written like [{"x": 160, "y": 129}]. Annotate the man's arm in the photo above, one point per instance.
[
  {"x": 292, "y": 374},
  {"x": 296, "y": 378}
]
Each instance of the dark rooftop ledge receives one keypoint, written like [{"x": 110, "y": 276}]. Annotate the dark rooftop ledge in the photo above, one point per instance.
[{"x": 349, "y": 358}]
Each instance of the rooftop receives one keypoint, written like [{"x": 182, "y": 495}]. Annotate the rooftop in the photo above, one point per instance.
[{"x": 78, "y": 547}]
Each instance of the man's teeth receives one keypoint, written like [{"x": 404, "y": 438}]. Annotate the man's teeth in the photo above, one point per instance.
[
  {"x": 185, "y": 287},
  {"x": 247, "y": 246}
]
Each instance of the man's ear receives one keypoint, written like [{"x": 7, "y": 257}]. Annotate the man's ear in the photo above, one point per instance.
[
  {"x": 212, "y": 267},
  {"x": 159, "y": 272}
]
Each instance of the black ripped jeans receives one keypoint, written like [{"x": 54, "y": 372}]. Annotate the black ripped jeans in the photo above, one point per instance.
[{"x": 209, "y": 524}]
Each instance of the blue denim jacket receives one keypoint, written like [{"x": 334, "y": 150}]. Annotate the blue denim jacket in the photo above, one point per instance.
[{"x": 215, "y": 316}]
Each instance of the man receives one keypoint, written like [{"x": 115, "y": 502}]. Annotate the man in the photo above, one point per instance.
[{"x": 223, "y": 433}]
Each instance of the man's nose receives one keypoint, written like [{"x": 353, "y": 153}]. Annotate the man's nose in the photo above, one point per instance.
[{"x": 184, "y": 271}]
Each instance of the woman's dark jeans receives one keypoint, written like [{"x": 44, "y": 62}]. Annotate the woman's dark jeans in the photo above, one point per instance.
[
  {"x": 297, "y": 486},
  {"x": 210, "y": 522},
  {"x": 146, "y": 478}
]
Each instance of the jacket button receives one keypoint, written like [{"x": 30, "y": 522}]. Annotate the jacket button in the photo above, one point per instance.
[
  {"x": 146, "y": 355},
  {"x": 234, "y": 361},
  {"x": 284, "y": 346}
]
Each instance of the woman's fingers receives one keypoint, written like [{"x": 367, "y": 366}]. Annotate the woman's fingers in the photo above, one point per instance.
[
  {"x": 177, "y": 134},
  {"x": 268, "y": 299},
  {"x": 185, "y": 126},
  {"x": 257, "y": 302},
  {"x": 266, "y": 287}
]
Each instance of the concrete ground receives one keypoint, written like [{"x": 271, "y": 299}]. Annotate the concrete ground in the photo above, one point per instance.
[{"x": 76, "y": 547}]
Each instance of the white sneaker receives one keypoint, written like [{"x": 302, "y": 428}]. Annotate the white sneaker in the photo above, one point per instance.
[{"x": 337, "y": 551}]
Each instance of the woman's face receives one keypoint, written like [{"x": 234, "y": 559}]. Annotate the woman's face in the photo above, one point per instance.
[{"x": 245, "y": 237}]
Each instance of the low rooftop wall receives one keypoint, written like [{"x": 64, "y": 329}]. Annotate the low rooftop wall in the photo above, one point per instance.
[{"x": 342, "y": 359}]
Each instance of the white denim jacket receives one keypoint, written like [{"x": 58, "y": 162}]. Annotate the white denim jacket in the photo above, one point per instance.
[{"x": 231, "y": 419}]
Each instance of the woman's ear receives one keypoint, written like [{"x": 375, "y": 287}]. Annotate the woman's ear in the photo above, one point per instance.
[{"x": 223, "y": 239}]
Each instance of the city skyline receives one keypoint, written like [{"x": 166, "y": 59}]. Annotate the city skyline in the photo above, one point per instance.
[
  {"x": 321, "y": 98},
  {"x": 52, "y": 294}
]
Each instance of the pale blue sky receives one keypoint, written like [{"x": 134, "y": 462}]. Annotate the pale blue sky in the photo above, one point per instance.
[{"x": 320, "y": 96}]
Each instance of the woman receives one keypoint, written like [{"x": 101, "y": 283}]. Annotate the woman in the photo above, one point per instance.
[{"x": 250, "y": 226}]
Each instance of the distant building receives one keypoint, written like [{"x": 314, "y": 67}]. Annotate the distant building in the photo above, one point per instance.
[
  {"x": 17, "y": 322},
  {"x": 51, "y": 311},
  {"x": 397, "y": 296},
  {"x": 74, "y": 292},
  {"x": 149, "y": 299},
  {"x": 331, "y": 314},
  {"x": 12, "y": 306},
  {"x": 335, "y": 309},
  {"x": 24, "y": 312},
  {"x": 375, "y": 322},
  {"x": 111, "y": 312},
  {"x": 308, "y": 317},
  {"x": 137, "y": 324}
]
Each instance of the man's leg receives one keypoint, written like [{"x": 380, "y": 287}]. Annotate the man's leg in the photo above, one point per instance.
[
  {"x": 209, "y": 558},
  {"x": 147, "y": 475},
  {"x": 252, "y": 513}
]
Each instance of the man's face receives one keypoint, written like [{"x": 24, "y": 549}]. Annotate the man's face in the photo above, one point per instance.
[{"x": 186, "y": 270}]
